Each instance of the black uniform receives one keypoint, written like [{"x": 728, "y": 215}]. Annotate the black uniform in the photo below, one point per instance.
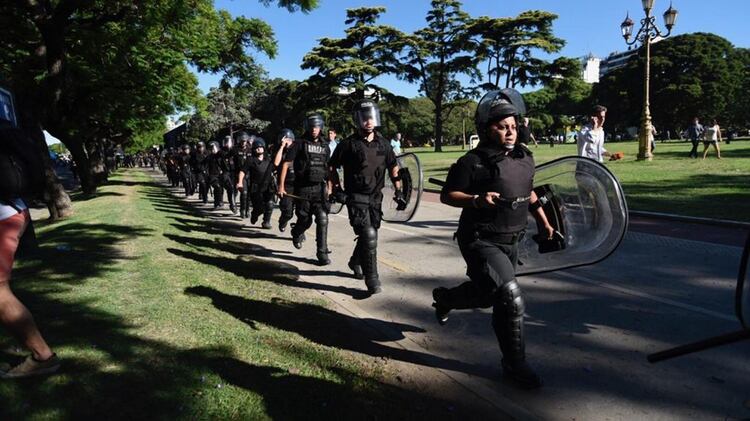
[
  {"x": 199, "y": 166},
  {"x": 186, "y": 174},
  {"x": 309, "y": 158},
  {"x": 229, "y": 175},
  {"x": 215, "y": 175},
  {"x": 488, "y": 240},
  {"x": 286, "y": 204},
  {"x": 366, "y": 164},
  {"x": 261, "y": 187},
  {"x": 240, "y": 158}
]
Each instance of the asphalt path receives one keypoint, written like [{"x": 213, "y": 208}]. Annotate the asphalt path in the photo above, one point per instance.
[{"x": 588, "y": 329}]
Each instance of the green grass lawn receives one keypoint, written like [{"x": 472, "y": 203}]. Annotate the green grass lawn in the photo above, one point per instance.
[
  {"x": 671, "y": 183},
  {"x": 160, "y": 313}
]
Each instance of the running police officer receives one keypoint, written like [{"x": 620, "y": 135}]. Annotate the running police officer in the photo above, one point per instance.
[
  {"x": 309, "y": 158},
  {"x": 493, "y": 184},
  {"x": 199, "y": 166},
  {"x": 229, "y": 171},
  {"x": 286, "y": 203},
  {"x": 259, "y": 169},
  {"x": 243, "y": 153},
  {"x": 366, "y": 157},
  {"x": 215, "y": 173}
]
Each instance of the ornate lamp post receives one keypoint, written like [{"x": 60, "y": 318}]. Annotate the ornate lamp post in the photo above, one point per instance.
[{"x": 647, "y": 33}]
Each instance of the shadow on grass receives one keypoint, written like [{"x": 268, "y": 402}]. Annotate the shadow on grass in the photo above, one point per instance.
[
  {"x": 329, "y": 328},
  {"x": 722, "y": 196},
  {"x": 111, "y": 370}
]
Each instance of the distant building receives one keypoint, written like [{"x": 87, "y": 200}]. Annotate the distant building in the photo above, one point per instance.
[
  {"x": 590, "y": 73},
  {"x": 619, "y": 59}
]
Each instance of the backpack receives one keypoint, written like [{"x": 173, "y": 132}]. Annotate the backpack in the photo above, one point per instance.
[{"x": 21, "y": 165}]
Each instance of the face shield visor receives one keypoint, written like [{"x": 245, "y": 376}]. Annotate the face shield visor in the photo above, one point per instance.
[{"x": 366, "y": 116}]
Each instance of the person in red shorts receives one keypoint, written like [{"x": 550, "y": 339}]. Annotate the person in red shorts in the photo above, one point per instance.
[{"x": 14, "y": 316}]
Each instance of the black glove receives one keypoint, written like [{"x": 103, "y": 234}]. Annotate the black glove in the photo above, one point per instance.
[
  {"x": 338, "y": 196},
  {"x": 400, "y": 200}
]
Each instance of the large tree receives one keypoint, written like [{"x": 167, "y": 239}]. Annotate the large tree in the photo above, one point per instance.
[
  {"x": 508, "y": 45},
  {"x": 95, "y": 72},
  {"x": 350, "y": 65},
  {"x": 434, "y": 58}
]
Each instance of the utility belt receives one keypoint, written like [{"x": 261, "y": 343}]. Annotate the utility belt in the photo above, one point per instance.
[
  {"x": 492, "y": 237},
  {"x": 512, "y": 203},
  {"x": 364, "y": 199}
]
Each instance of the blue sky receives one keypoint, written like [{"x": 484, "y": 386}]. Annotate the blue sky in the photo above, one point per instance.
[{"x": 586, "y": 25}]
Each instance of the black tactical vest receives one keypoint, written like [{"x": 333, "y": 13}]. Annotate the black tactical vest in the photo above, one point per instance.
[
  {"x": 510, "y": 175},
  {"x": 313, "y": 162}
]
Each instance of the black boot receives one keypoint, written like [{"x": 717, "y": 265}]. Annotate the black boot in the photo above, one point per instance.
[
  {"x": 321, "y": 238},
  {"x": 507, "y": 321},
  {"x": 441, "y": 307}
]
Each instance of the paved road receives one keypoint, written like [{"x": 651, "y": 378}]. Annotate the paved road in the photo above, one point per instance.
[{"x": 589, "y": 329}]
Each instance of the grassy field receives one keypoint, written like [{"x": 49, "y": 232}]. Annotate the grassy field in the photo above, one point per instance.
[
  {"x": 160, "y": 313},
  {"x": 671, "y": 183}
]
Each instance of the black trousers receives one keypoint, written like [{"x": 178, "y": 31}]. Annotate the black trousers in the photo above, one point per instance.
[
  {"x": 694, "y": 150},
  {"x": 286, "y": 206},
  {"x": 201, "y": 180},
  {"x": 228, "y": 183},
  {"x": 491, "y": 267},
  {"x": 262, "y": 203},
  {"x": 214, "y": 181},
  {"x": 314, "y": 202},
  {"x": 365, "y": 216}
]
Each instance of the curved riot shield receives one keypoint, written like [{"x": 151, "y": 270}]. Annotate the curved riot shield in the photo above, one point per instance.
[
  {"x": 742, "y": 296},
  {"x": 337, "y": 206},
  {"x": 410, "y": 171},
  {"x": 585, "y": 203}
]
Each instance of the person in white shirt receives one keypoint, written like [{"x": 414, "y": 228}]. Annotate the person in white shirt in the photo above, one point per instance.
[
  {"x": 590, "y": 139},
  {"x": 396, "y": 144},
  {"x": 712, "y": 136}
]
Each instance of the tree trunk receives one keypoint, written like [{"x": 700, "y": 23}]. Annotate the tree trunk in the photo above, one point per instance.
[
  {"x": 439, "y": 126},
  {"x": 88, "y": 186},
  {"x": 57, "y": 199}
]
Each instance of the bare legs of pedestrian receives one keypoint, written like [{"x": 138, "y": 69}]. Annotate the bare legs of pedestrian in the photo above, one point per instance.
[{"x": 19, "y": 322}]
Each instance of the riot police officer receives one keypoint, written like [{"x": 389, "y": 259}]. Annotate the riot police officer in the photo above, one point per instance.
[
  {"x": 183, "y": 166},
  {"x": 309, "y": 158},
  {"x": 215, "y": 173},
  {"x": 366, "y": 157},
  {"x": 259, "y": 171},
  {"x": 244, "y": 152},
  {"x": 229, "y": 171},
  {"x": 199, "y": 167},
  {"x": 493, "y": 184},
  {"x": 286, "y": 203}
]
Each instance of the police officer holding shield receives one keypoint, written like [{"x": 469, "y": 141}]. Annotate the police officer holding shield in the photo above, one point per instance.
[
  {"x": 309, "y": 158},
  {"x": 493, "y": 184},
  {"x": 367, "y": 158}
]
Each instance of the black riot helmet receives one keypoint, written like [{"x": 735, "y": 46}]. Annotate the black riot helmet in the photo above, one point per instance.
[
  {"x": 259, "y": 143},
  {"x": 185, "y": 148},
  {"x": 313, "y": 120},
  {"x": 242, "y": 136},
  {"x": 227, "y": 143},
  {"x": 213, "y": 147},
  {"x": 201, "y": 145},
  {"x": 363, "y": 111},
  {"x": 496, "y": 105},
  {"x": 285, "y": 133}
]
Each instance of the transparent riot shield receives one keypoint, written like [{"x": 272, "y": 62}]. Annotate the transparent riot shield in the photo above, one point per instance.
[
  {"x": 742, "y": 309},
  {"x": 410, "y": 172},
  {"x": 742, "y": 296},
  {"x": 585, "y": 203},
  {"x": 337, "y": 206}
]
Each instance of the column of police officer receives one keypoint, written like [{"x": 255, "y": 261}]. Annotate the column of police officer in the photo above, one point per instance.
[
  {"x": 493, "y": 185},
  {"x": 367, "y": 158},
  {"x": 199, "y": 167},
  {"x": 309, "y": 159}
]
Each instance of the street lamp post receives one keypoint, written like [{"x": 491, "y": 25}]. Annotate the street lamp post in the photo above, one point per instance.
[{"x": 645, "y": 35}]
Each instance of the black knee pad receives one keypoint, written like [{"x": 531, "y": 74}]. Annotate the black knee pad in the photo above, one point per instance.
[
  {"x": 369, "y": 236},
  {"x": 321, "y": 218},
  {"x": 510, "y": 296}
]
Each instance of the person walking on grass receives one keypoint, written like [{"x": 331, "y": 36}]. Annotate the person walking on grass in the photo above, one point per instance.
[{"x": 712, "y": 136}]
